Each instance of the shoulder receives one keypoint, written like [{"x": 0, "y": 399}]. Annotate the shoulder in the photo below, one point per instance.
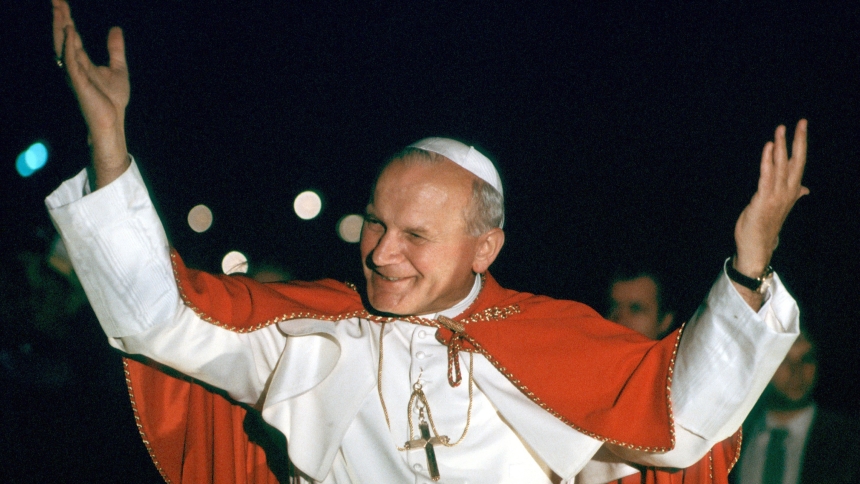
[
  {"x": 326, "y": 298},
  {"x": 531, "y": 305}
]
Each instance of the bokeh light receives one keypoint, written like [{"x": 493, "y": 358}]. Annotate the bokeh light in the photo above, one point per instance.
[
  {"x": 234, "y": 262},
  {"x": 349, "y": 228},
  {"x": 32, "y": 160},
  {"x": 307, "y": 205},
  {"x": 200, "y": 218}
]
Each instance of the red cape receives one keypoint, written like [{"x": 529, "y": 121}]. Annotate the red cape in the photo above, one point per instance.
[{"x": 197, "y": 436}]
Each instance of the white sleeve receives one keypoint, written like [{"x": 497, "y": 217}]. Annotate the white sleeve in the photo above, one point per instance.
[
  {"x": 727, "y": 355},
  {"x": 121, "y": 255}
]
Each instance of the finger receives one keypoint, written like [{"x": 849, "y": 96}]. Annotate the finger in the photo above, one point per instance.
[
  {"x": 116, "y": 49},
  {"x": 77, "y": 61},
  {"x": 798, "y": 152},
  {"x": 62, "y": 17},
  {"x": 780, "y": 155},
  {"x": 765, "y": 180}
]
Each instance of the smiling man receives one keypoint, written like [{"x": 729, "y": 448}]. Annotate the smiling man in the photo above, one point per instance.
[
  {"x": 425, "y": 234},
  {"x": 443, "y": 375}
]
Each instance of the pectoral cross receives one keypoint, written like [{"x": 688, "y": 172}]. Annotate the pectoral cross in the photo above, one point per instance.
[{"x": 427, "y": 442}]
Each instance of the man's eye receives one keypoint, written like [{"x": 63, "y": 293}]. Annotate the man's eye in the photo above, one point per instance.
[{"x": 415, "y": 238}]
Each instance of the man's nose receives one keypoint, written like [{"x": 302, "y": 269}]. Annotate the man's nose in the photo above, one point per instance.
[
  {"x": 618, "y": 315},
  {"x": 387, "y": 250}
]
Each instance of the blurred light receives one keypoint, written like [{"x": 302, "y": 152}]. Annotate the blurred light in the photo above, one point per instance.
[
  {"x": 349, "y": 228},
  {"x": 36, "y": 156},
  {"x": 31, "y": 160},
  {"x": 307, "y": 205},
  {"x": 200, "y": 218},
  {"x": 234, "y": 262},
  {"x": 21, "y": 165}
]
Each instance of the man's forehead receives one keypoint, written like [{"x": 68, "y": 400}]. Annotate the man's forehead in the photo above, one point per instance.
[
  {"x": 641, "y": 287},
  {"x": 416, "y": 193},
  {"x": 411, "y": 172}
]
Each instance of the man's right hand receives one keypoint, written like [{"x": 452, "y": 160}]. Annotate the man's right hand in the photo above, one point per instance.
[{"x": 102, "y": 92}]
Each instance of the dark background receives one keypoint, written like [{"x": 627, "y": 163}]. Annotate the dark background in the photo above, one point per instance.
[{"x": 620, "y": 132}]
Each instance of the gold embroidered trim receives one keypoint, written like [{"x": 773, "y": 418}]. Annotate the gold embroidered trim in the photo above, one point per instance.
[
  {"x": 711, "y": 465},
  {"x": 284, "y": 317},
  {"x": 738, "y": 451},
  {"x": 140, "y": 425}
]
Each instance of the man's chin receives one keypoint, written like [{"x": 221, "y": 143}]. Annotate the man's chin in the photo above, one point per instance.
[
  {"x": 386, "y": 306},
  {"x": 779, "y": 402}
]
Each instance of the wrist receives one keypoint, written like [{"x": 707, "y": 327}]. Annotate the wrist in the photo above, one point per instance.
[
  {"x": 109, "y": 159},
  {"x": 752, "y": 266},
  {"x": 750, "y": 276}
]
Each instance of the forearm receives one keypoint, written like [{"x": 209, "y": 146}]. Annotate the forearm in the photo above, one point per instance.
[
  {"x": 119, "y": 250},
  {"x": 726, "y": 357},
  {"x": 238, "y": 363},
  {"x": 109, "y": 155},
  {"x": 121, "y": 255}
]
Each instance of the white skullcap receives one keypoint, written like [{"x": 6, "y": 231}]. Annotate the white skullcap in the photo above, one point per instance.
[{"x": 466, "y": 156}]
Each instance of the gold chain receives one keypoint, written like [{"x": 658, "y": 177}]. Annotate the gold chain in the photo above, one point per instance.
[{"x": 419, "y": 394}]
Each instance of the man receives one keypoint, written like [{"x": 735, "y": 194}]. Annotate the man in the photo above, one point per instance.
[
  {"x": 788, "y": 439},
  {"x": 433, "y": 372},
  {"x": 637, "y": 301}
]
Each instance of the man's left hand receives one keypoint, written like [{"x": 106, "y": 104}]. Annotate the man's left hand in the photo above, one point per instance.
[{"x": 779, "y": 187}]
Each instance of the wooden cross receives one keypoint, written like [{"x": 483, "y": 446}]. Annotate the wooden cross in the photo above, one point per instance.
[{"x": 427, "y": 442}]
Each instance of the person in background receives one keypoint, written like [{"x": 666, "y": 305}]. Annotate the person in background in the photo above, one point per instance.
[
  {"x": 637, "y": 300},
  {"x": 788, "y": 439}
]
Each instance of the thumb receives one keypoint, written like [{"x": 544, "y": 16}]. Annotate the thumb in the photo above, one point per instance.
[{"x": 116, "y": 49}]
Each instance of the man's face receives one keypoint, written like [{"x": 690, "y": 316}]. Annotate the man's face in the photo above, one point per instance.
[
  {"x": 794, "y": 379},
  {"x": 634, "y": 304},
  {"x": 417, "y": 254}
]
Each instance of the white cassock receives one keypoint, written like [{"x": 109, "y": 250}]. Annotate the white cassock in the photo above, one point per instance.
[{"x": 317, "y": 382}]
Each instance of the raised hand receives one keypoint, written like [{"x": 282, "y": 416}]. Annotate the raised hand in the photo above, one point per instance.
[
  {"x": 779, "y": 187},
  {"x": 102, "y": 92}
]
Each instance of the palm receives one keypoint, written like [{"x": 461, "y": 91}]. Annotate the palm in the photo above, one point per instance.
[{"x": 102, "y": 91}]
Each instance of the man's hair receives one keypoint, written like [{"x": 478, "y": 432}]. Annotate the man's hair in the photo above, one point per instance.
[{"x": 487, "y": 208}]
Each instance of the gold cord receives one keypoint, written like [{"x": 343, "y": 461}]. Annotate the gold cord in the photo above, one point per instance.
[{"x": 418, "y": 394}]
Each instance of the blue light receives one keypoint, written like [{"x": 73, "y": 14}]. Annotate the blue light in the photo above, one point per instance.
[
  {"x": 32, "y": 160},
  {"x": 37, "y": 156},
  {"x": 21, "y": 165}
]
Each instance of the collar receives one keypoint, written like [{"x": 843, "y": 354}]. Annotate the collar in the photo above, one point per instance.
[{"x": 798, "y": 424}]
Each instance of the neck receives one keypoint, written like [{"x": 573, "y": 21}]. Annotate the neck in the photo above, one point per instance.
[
  {"x": 461, "y": 306},
  {"x": 785, "y": 416}
]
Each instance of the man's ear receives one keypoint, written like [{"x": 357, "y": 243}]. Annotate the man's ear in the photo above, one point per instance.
[
  {"x": 489, "y": 244},
  {"x": 664, "y": 324}
]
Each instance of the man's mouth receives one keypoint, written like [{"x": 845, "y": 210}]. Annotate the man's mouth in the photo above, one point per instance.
[{"x": 388, "y": 278}]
